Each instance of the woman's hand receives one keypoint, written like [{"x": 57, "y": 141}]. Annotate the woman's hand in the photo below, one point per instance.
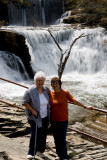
[
  {"x": 28, "y": 106},
  {"x": 34, "y": 113}
]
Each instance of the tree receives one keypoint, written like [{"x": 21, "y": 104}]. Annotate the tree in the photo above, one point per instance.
[{"x": 63, "y": 60}]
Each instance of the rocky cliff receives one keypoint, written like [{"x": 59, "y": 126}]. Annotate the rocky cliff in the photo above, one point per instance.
[
  {"x": 3, "y": 13},
  {"x": 87, "y": 13},
  {"x": 14, "y": 43}
]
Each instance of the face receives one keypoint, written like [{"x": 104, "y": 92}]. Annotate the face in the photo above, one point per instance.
[
  {"x": 55, "y": 85},
  {"x": 40, "y": 82}
]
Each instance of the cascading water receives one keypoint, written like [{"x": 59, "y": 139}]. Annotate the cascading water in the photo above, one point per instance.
[
  {"x": 88, "y": 55},
  {"x": 86, "y": 70},
  {"x": 39, "y": 12},
  {"x": 12, "y": 67}
]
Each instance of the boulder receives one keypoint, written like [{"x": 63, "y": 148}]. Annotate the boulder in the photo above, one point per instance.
[{"x": 15, "y": 43}]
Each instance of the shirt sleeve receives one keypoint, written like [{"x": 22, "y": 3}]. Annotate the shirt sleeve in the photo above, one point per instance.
[
  {"x": 69, "y": 97},
  {"x": 26, "y": 98}
]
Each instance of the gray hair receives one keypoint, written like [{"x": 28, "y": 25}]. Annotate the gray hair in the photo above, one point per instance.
[{"x": 39, "y": 74}]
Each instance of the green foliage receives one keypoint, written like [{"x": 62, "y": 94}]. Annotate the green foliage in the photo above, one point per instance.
[
  {"x": 88, "y": 6},
  {"x": 71, "y": 4},
  {"x": 3, "y": 23},
  {"x": 9, "y": 119},
  {"x": 104, "y": 22},
  {"x": 89, "y": 12},
  {"x": 4, "y": 1},
  {"x": 71, "y": 155},
  {"x": 22, "y": 3}
]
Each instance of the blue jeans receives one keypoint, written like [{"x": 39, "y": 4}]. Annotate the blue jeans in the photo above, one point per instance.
[
  {"x": 41, "y": 136},
  {"x": 59, "y": 130}
]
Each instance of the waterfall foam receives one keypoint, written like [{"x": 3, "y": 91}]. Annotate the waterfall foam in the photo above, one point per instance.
[
  {"x": 88, "y": 55},
  {"x": 11, "y": 67}
]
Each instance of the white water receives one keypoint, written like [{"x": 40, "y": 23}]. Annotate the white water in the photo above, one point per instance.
[
  {"x": 85, "y": 75},
  {"x": 11, "y": 68}
]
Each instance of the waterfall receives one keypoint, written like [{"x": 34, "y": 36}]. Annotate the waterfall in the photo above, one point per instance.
[
  {"x": 39, "y": 12},
  {"x": 85, "y": 73},
  {"x": 88, "y": 55},
  {"x": 11, "y": 67}
]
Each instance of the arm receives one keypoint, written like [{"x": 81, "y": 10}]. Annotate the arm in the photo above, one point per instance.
[
  {"x": 26, "y": 102},
  {"x": 74, "y": 101},
  {"x": 82, "y": 105},
  {"x": 28, "y": 106}
]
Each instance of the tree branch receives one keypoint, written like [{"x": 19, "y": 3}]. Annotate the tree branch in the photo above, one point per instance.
[
  {"x": 55, "y": 41},
  {"x": 61, "y": 65}
]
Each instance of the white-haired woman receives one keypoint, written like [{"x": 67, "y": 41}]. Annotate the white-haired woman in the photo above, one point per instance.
[{"x": 36, "y": 101}]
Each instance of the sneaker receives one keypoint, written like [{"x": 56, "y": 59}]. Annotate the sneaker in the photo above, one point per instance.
[
  {"x": 29, "y": 156},
  {"x": 57, "y": 158},
  {"x": 39, "y": 154}
]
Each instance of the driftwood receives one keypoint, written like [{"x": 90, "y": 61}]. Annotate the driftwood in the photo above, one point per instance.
[
  {"x": 13, "y": 82},
  {"x": 13, "y": 105}
]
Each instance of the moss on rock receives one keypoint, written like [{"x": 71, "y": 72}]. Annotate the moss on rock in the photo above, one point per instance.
[{"x": 90, "y": 13}]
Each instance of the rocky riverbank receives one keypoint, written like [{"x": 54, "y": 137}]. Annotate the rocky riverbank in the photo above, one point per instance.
[
  {"x": 14, "y": 140},
  {"x": 86, "y": 13}
]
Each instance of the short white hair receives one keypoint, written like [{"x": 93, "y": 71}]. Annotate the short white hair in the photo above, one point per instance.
[{"x": 39, "y": 74}]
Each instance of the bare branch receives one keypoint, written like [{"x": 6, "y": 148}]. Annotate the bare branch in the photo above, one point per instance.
[
  {"x": 62, "y": 63},
  {"x": 62, "y": 66},
  {"x": 75, "y": 41},
  {"x": 86, "y": 35},
  {"x": 65, "y": 51},
  {"x": 55, "y": 41}
]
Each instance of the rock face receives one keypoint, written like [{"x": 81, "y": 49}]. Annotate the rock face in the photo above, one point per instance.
[
  {"x": 88, "y": 13},
  {"x": 84, "y": 12},
  {"x": 15, "y": 43},
  {"x": 3, "y": 12}
]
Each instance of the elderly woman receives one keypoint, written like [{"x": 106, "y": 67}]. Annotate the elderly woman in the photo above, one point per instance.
[
  {"x": 59, "y": 116},
  {"x": 36, "y": 101}
]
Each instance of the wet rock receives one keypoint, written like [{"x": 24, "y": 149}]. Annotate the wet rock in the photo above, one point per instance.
[
  {"x": 4, "y": 156},
  {"x": 15, "y": 43}
]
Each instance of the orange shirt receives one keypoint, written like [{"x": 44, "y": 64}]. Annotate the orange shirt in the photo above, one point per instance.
[{"x": 59, "y": 105}]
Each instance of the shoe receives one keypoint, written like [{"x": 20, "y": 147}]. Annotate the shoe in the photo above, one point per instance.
[
  {"x": 57, "y": 158},
  {"x": 29, "y": 156},
  {"x": 39, "y": 154}
]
